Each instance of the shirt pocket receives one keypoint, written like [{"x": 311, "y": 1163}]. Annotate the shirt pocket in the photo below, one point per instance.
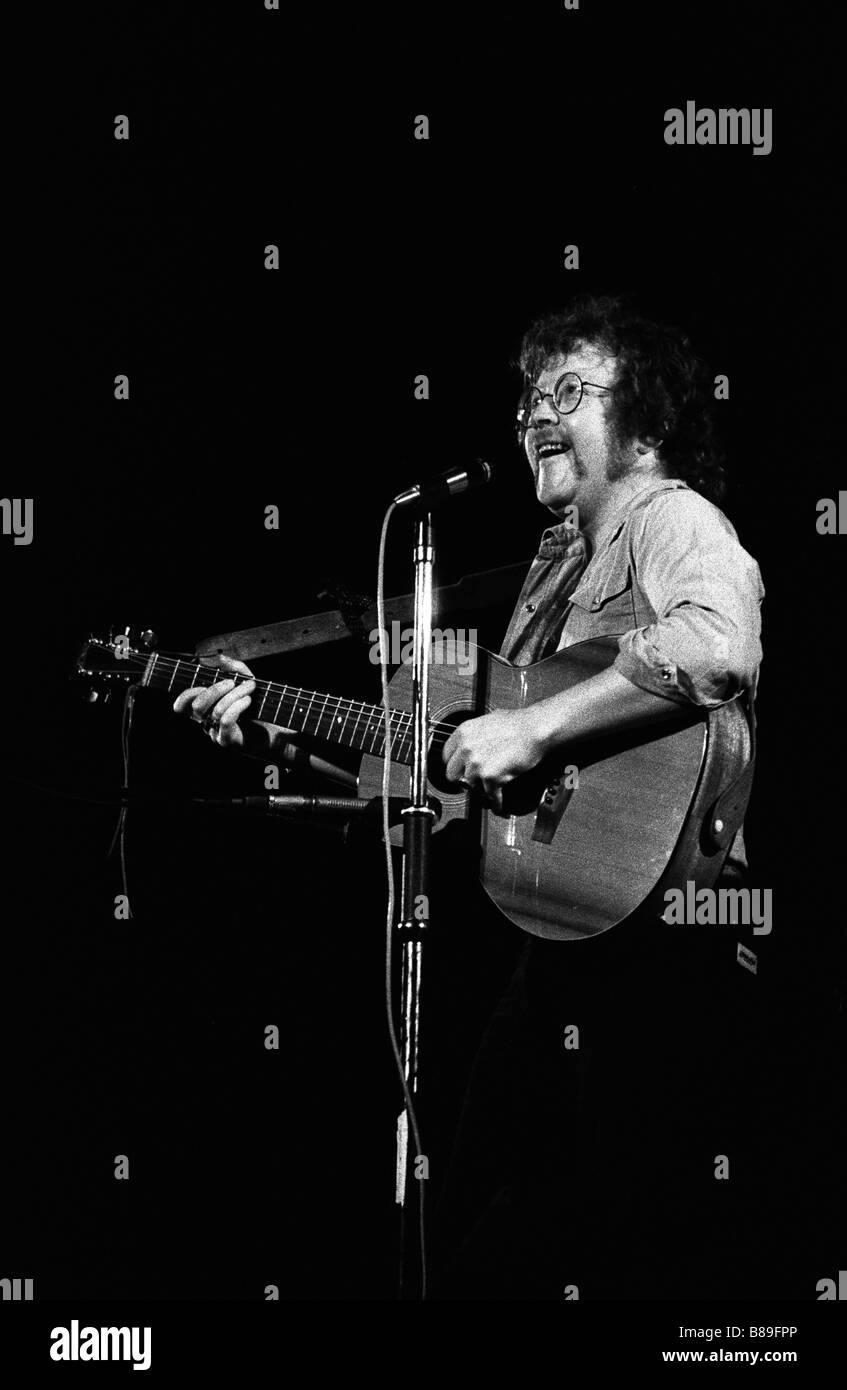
[{"x": 606, "y": 605}]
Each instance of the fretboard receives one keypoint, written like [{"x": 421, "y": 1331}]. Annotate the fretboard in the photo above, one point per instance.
[{"x": 330, "y": 717}]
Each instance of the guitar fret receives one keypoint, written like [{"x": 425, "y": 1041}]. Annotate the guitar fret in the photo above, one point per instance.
[
  {"x": 336, "y": 732},
  {"x": 397, "y": 738},
  {"x": 378, "y": 728},
  {"x": 296, "y": 707},
  {"x": 407, "y": 740},
  {"x": 344, "y": 724},
  {"x": 312, "y": 714},
  {"x": 401, "y": 747},
  {"x": 391, "y": 716},
  {"x": 355, "y": 731},
  {"x": 308, "y": 707},
  {"x": 322, "y": 713},
  {"x": 275, "y": 719}
]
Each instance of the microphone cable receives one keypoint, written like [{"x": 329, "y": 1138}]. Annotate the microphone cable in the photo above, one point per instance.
[
  {"x": 120, "y": 828},
  {"x": 389, "y": 873}
]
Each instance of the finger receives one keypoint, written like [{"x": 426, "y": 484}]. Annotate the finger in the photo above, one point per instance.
[
  {"x": 240, "y": 691},
  {"x": 229, "y": 663},
  {"x": 201, "y": 698},
  {"x": 232, "y": 713},
  {"x": 455, "y": 744},
  {"x": 185, "y": 698},
  {"x": 214, "y": 701},
  {"x": 455, "y": 768},
  {"x": 229, "y": 732},
  {"x": 276, "y": 730}
]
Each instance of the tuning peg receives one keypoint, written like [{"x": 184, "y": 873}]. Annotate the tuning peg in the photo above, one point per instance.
[{"x": 148, "y": 639}]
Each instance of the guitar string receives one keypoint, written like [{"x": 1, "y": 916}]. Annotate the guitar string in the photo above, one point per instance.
[{"x": 340, "y": 704}]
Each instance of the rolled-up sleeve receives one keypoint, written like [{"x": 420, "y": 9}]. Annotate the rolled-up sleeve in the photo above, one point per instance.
[{"x": 706, "y": 591}]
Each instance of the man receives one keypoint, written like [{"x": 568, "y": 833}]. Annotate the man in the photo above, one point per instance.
[
  {"x": 615, "y": 425},
  {"x": 608, "y": 1078}
]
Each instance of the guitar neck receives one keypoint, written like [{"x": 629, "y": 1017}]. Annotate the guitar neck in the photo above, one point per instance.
[{"x": 328, "y": 717}]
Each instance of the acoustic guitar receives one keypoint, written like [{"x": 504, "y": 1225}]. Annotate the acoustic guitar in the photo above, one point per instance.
[{"x": 572, "y": 853}]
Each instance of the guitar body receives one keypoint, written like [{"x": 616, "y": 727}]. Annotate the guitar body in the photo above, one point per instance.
[{"x": 568, "y": 861}]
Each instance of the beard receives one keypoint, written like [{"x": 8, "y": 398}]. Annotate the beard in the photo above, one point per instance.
[{"x": 621, "y": 461}]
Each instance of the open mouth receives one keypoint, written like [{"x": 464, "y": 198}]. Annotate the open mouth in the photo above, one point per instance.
[{"x": 549, "y": 451}]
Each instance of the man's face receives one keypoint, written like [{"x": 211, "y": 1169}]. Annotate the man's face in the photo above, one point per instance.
[{"x": 574, "y": 457}]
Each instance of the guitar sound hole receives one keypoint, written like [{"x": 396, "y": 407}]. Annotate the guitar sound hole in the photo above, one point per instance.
[{"x": 436, "y": 771}]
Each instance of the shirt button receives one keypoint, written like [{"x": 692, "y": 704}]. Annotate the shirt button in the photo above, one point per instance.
[
  {"x": 529, "y": 608},
  {"x": 666, "y": 675}
]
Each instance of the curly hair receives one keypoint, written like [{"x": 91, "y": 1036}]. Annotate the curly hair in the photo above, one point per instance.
[{"x": 663, "y": 389}]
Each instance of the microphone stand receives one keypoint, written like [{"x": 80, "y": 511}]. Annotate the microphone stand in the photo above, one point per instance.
[{"x": 414, "y": 917}]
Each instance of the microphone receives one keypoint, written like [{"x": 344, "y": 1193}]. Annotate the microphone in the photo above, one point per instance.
[
  {"x": 295, "y": 756},
  {"x": 282, "y": 805},
  {"x": 344, "y": 806},
  {"x": 440, "y": 488}
]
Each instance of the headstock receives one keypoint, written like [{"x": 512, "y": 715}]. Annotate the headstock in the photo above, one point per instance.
[{"x": 121, "y": 657}]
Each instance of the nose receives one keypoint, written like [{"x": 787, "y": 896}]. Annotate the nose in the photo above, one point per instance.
[{"x": 543, "y": 412}]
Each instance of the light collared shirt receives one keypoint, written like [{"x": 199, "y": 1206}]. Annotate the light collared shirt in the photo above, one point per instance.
[{"x": 669, "y": 577}]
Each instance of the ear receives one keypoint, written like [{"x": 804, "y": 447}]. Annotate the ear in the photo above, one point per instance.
[{"x": 653, "y": 442}]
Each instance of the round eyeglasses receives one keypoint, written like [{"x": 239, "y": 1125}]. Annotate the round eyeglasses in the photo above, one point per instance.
[{"x": 566, "y": 396}]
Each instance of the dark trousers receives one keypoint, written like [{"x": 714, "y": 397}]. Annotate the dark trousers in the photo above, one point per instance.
[{"x": 613, "y": 1076}]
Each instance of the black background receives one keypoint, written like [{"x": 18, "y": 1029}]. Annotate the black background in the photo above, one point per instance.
[{"x": 248, "y": 388}]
